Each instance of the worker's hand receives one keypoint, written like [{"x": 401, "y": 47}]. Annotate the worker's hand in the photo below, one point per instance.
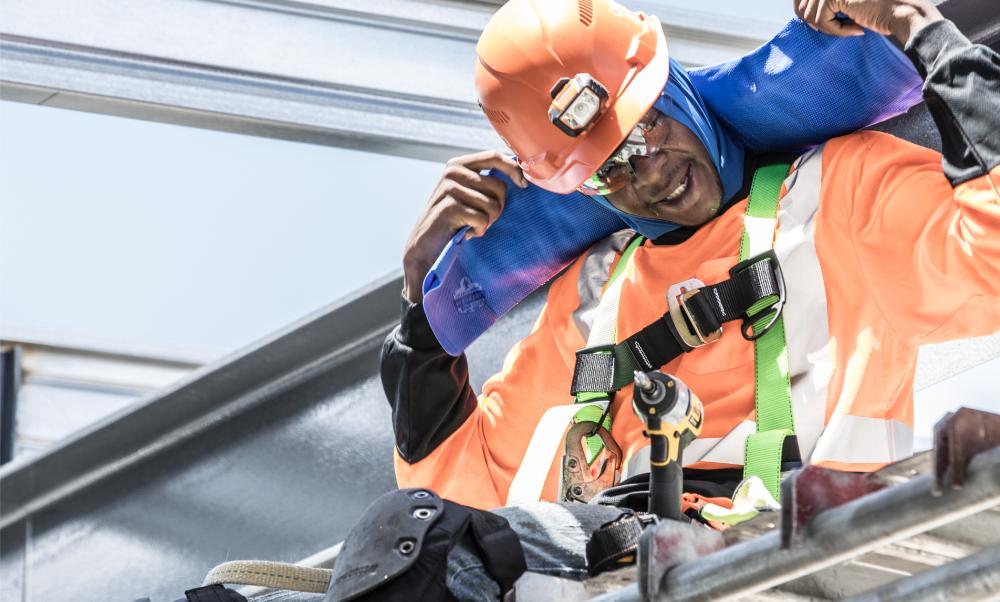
[
  {"x": 899, "y": 18},
  {"x": 462, "y": 198}
]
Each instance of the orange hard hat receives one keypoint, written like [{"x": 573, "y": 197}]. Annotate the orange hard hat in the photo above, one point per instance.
[{"x": 564, "y": 82}]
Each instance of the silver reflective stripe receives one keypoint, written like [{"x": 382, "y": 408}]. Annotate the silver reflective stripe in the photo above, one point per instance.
[
  {"x": 810, "y": 363},
  {"x": 861, "y": 440},
  {"x": 529, "y": 480},
  {"x": 600, "y": 321},
  {"x": 638, "y": 463},
  {"x": 723, "y": 450},
  {"x": 594, "y": 276}
]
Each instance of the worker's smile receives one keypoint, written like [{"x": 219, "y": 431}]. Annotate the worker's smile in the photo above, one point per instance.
[{"x": 677, "y": 183}]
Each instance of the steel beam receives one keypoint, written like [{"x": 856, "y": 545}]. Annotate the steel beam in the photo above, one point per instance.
[
  {"x": 392, "y": 76},
  {"x": 834, "y": 536},
  {"x": 315, "y": 345},
  {"x": 10, "y": 377},
  {"x": 388, "y": 76},
  {"x": 976, "y": 577}
]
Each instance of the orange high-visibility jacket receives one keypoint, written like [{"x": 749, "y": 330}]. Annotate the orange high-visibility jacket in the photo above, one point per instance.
[{"x": 881, "y": 252}]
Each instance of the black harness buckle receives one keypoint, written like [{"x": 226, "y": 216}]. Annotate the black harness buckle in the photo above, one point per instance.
[{"x": 776, "y": 308}]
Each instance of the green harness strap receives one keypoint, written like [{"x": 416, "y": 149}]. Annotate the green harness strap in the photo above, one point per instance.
[
  {"x": 772, "y": 388},
  {"x": 593, "y": 444}
]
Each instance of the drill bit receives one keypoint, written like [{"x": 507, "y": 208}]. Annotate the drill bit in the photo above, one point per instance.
[{"x": 643, "y": 382}]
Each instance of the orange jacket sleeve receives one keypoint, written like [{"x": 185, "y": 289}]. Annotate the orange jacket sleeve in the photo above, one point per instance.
[
  {"x": 929, "y": 254},
  {"x": 925, "y": 227}
]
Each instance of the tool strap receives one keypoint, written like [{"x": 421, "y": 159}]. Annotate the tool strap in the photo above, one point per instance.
[
  {"x": 272, "y": 575},
  {"x": 615, "y": 543}
]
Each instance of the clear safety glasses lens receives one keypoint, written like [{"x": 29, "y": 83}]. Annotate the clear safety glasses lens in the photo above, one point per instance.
[{"x": 616, "y": 172}]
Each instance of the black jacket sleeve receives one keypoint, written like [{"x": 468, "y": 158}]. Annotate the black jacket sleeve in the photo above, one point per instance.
[
  {"x": 428, "y": 389},
  {"x": 962, "y": 90}
]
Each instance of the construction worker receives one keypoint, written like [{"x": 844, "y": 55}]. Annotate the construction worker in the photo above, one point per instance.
[{"x": 882, "y": 245}]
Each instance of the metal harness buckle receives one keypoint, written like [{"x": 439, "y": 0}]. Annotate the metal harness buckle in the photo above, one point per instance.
[
  {"x": 688, "y": 329},
  {"x": 749, "y": 333}
]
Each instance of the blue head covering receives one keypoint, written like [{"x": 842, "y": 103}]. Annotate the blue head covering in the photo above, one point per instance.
[{"x": 682, "y": 102}]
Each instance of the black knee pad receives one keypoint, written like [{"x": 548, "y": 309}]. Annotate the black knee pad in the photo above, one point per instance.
[{"x": 398, "y": 551}]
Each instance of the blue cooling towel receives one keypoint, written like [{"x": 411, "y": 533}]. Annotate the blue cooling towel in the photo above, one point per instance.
[{"x": 798, "y": 90}]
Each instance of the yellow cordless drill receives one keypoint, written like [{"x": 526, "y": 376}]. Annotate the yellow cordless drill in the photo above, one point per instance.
[{"x": 673, "y": 416}]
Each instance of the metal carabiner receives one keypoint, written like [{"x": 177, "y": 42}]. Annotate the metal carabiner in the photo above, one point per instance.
[{"x": 575, "y": 484}]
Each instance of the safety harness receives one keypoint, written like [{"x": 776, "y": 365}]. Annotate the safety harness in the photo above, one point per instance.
[{"x": 754, "y": 294}]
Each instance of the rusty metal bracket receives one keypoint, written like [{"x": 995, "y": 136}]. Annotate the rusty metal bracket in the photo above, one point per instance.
[
  {"x": 668, "y": 544},
  {"x": 958, "y": 437},
  {"x": 813, "y": 489},
  {"x": 578, "y": 483}
]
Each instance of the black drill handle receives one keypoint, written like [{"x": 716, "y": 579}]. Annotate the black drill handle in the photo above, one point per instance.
[{"x": 666, "y": 483}]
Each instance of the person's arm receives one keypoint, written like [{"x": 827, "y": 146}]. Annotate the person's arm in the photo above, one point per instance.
[
  {"x": 926, "y": 227},
  {"x": 962, "y": 90},
  {"x": 465, "y": 448},
  {"x": 428, "y": 389}
]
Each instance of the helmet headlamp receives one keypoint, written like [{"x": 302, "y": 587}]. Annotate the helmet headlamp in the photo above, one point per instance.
[{"x": 577, "y": 103}]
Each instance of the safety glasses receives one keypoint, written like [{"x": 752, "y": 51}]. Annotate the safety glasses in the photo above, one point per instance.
[{"x": 644, "y": 140}]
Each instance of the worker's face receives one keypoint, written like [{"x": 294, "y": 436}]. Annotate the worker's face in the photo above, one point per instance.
[{"x": 677, "y": 183}]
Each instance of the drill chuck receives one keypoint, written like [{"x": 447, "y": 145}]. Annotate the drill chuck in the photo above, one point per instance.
[{"x": 652, "y": 391}]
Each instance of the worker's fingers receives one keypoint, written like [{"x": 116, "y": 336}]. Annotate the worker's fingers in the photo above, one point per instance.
[
  {"x": 875, "y": 15},
  {"x": 476, "y": 220},
  {"x": 815, "y": 12},
  {"x": 477, "y": 200},
  {"x": 827, "y": 21},
  {"x": 488, "y": 185},
  {"x": 493, "y": 160},
  {"x": 801, "y": 6},
  {"x": 848, "y": 29},
  {"x": 821, "y": 15}
]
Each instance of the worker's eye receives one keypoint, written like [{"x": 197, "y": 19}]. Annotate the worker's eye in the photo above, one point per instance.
[{"x": 657, "y": 132}]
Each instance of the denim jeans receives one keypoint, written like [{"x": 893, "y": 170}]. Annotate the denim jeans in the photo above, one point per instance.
[{"x": 553, "y": 537}]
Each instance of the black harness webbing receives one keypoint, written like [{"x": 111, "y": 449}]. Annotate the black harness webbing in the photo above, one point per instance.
[
  {"x": 703, "y": 310},
  {"x": 615, "y": 543},
  {"x": 213, "y": 593}
]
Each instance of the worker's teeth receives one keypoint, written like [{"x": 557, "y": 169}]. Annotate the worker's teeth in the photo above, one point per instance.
[{"x": 680, "y": 189}]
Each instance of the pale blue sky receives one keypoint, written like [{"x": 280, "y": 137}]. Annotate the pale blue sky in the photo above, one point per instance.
[{"x": 131, "y": 234}]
